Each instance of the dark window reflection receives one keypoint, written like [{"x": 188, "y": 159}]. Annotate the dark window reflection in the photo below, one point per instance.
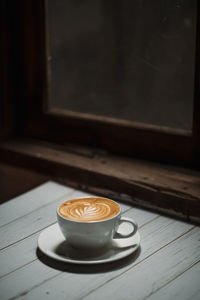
[{"x": 130, "y": 60}]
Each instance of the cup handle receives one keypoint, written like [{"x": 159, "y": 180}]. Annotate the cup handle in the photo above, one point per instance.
[{"x": 118, "y": 235}]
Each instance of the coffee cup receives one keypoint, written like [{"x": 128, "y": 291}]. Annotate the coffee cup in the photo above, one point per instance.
[{"x": 92, "y": 222}]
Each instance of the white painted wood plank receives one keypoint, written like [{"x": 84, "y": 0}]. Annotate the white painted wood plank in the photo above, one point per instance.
[
  {"x": 142, "y": 280},
  {"x": 18, "y": 255},
  {"x": 39, "y": 218},
  {"x": 185, "y": 287},
  {"x": 71, "y": 285},
  {"x": 36, "y": 273},
  {"x": 24, "y": 251},
  {"x": 34, "y": 199},
  {"x": 26, "y": 203},
  {"x": 141, "y": 216},
  {"x": 33, "y": 222}
]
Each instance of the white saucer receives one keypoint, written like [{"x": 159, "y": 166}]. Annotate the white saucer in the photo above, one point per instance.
[{"x": 52, "y": 243}]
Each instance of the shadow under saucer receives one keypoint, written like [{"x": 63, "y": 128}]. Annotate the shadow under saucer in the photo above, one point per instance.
[
  {"x": 54, "y": 250},
  {"x": 85, "y": 268}
]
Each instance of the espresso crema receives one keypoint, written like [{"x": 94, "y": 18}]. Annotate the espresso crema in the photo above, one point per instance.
[{"x": 89, "y": 209}]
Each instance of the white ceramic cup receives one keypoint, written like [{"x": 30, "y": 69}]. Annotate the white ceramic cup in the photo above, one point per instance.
[{"x": 94, "y": 234}]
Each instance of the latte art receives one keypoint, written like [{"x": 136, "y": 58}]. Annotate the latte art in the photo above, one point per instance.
[{"x": 89, "y": 209}]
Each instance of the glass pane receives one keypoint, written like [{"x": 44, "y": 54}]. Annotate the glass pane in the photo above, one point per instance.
[{"x": 131, "y": 60}]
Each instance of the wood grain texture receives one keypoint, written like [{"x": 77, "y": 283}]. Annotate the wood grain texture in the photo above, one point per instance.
[
  {"x": 32, "y": 222},
  {"x": 64, "y": 284},
  {"x": 24, "y": 252},
  {"x": 184, "y": 287},
  {"x": 25, "y": 262},
  {"x": 176, "y": 191},
  {"x": 32, "y": 200},
  {"x": 32, "y": 80},
  {"x": 18, "y": 255},
  {"x": 15, "y": 285},
  {"x": 159, "y": 269},
  {"x": 169, "y": 249}
]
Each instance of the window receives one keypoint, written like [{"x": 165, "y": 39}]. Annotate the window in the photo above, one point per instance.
[
  {"x": 117, "y": 131},
  {"x": 128, "y": 60},
  {"x": 40, "y": 115}
]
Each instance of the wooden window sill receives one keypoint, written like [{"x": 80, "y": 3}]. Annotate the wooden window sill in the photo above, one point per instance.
[{"x": 164, "y": 188}]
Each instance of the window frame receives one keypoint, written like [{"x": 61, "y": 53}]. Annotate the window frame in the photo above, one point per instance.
[
  {"x": 6, "y": 61},
  {"x": 121, "y": 137},
  {"x": 25, "y": 128}
]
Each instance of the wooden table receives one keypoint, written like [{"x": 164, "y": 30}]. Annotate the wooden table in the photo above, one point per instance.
[{"x": 167, "y": 266}]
